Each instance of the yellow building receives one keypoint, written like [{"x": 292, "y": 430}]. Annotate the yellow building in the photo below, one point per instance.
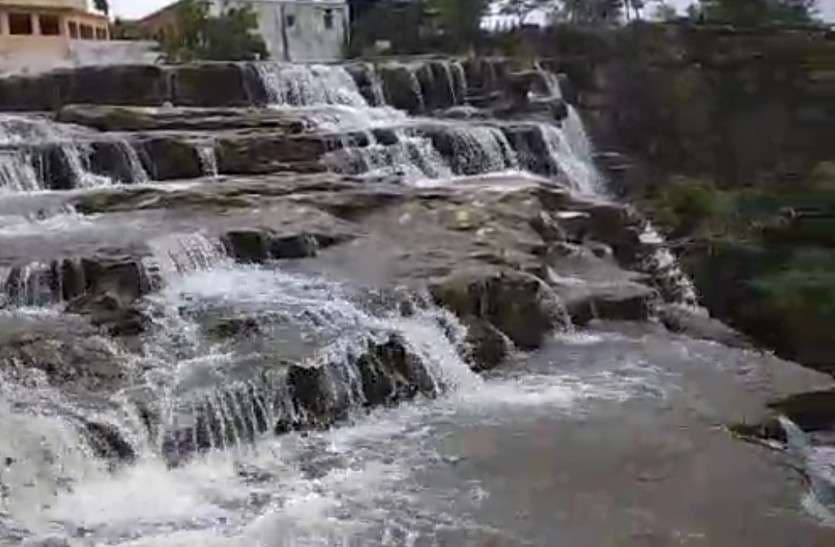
[{"x": 36, "y": 34}]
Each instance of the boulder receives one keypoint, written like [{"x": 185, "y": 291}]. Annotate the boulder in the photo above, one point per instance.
[
  {"x": 264, "y": 152},
  {"x": 111, "y": 159},
  {"x": 402, "y": 88},
  {"x": 521, "y": 306},
  {"x": 82, "y": 360},
  {"x": 139, "y": 85},
  {"x": 170, "y": 158},
  {"x": 28, "y": 93},
  {"x": 487, "y": 347},
  {"x": 696, "y": 324},
  {"x": 211, "y": 84},
  {"x": 110, "y": 313},
  {"x": 618, "y": 301}
]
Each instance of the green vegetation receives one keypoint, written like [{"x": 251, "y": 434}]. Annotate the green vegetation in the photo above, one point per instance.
[
  {"x": 757, "y": 12},
  {"x": 230, "y": 37},
  {"x": 763, "y": 256}
]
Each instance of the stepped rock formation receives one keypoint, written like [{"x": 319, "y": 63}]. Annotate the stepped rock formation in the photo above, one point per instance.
[{"x": 197, "y": 260}]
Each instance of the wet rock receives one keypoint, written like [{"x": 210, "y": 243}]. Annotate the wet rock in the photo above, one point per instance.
[
  {"x": 132, "y": 118},
  {"x": 810, "y": 411},
  {"x": 618, "y": 301},
  {"x": 701, "y": 326},
  {"x": 107, "y": 442},
  {"x": 547, "y": 227},
  {"x": 247, "y": 246},
  {"x": 298, "y": 246},
  {"x": 261, "y": 152},
  {"x": 125, "y": 278},
  {"x": 111, "y": 313},
  {"x": 569, "y": 91},
  {"x": 402, "y": 89},
  {"x": 519, "y": 305},
  {"x": 170, "y": 158},
  {"x": 110, "y": 159},
  {"x": 388, "y": 373},
  {"x": 88, "y": 361},
  {"x": 142, "y": 85},
  {"x": 211, "y": 84},
  {"x": 364, "y": 76},
  {"x": 488, "y": 347},
  {"x": 55, "y": 169},
  {"x": 233, "y": 327},
  {"x": 28, "y": 93}
]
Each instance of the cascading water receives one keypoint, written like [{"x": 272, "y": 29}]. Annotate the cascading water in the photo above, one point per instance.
[
  {"x": 309, "y": 85},
  {"x": 17, "y": 173},
  {"x": 480, "y": 149},
  {"x": 208, "y": 159},
  {"x": 22, "y": 168}
]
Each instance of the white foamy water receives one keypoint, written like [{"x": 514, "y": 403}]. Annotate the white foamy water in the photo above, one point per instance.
[{"x": 26, "y": 136}]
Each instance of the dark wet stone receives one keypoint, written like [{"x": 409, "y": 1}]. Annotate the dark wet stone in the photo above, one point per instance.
[
  {"x": 170, "y": 157},
  {"x": 108, "y": 443},
  {"x": 697, "y": 325},
  {"x": 519, "y": 305},
  {"x": 298, "y": 246},
  {"x": 211, "y": 84},
  {"x": 247, "y": 246}
]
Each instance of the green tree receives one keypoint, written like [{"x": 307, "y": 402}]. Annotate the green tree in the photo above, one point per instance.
[
  {"x": 102, "y": 5},
  {"x": 230, "y": 37},
  {"x": 460, "y": 20},
  {"x": 593, "y": 11},
  {"x": 758, "y": 12}
]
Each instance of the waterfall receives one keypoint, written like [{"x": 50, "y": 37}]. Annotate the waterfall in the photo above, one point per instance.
[
  {"x": 137, "y": 171},
  {"x": 208, "y": 159},
  {"x": 480, "y": 149},
  {"x": 17, "y": 173},
  {"x": 34, "y": 284},
  {"x": 410, "y": 156},
  {"x": 571, "y": 156},
  {"x": 178, "y": 254},
  {"x": 819, "y": 469},
  {"x": 209, "y": 402},
  {"x": 307, "y": 85},
  {"x": 458, "y": 81}
]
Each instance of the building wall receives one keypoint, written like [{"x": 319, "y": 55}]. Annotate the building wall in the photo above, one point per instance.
[
  {"x": 320, "y": 32},
  {"x": 48, "y": 40},
  {"x": 80, "y": 5},
  {"x": 300, "y": 30}
]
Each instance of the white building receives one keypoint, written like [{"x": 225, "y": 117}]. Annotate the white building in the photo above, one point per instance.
[{"x": 299, "y": 30}]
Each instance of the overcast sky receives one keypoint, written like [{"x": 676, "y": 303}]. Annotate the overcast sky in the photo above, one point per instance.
[{"x": 140, "y": 8}]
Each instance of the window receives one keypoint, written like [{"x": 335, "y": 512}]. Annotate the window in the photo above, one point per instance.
[
  {"x": 73, "y": 26},
  {"x": 328, "y": 18},
  {"x": 291, "y": 20},
  {"x": 50, "y": 25},
  {"x": 101, "y": 33},
  {"x": 20, "y": 23},
  {"x": 86, "y": 32}
]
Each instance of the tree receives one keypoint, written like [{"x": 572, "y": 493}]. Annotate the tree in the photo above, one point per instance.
[
  {"x": 521, "y": 9},
  {"x": 593, "y": 11},
  {"x": 758, "y": 12},
  {"x": 665, "y": 12},
  {"x": 230, "y": 37},
  {"x": 461, "y": 19},
  {"x": 102, "y": 6}
]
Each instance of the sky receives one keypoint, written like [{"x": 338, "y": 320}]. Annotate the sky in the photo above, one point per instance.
[{"x": 130, "y": 9}]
